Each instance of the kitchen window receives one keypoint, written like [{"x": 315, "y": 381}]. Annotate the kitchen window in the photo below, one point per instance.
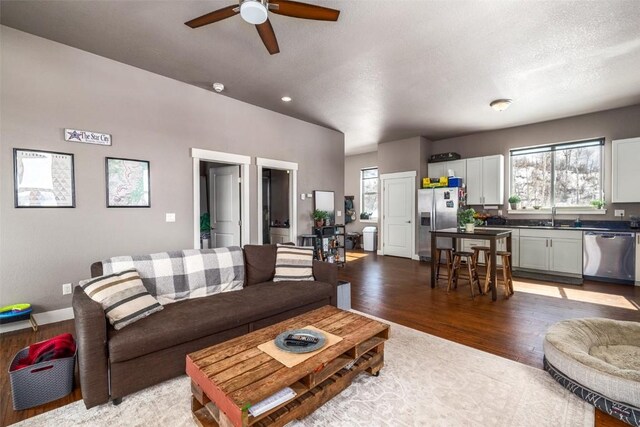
[
  {"x": 369, "y": 193},
  {"x": 561, "y": 175}
]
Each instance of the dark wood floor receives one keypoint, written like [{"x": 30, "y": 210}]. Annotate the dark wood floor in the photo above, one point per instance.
[{"x": 396, "y": 289}]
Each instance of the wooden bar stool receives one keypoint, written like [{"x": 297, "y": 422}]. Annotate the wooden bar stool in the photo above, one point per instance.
[
  {"x": 507, "y": 277},
  {"x": 458, "y": 257},
  {"x": 486, "y": 250},
  {"x": 448, "y": 252}
]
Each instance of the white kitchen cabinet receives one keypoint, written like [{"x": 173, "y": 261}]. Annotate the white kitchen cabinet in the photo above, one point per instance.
[
  {"x": 624, "y": 171},
  {"x": 554, "y": 251},
  {"x": 565, "y": 255},
  {"x": 534, "y": 253},
  {"x": 501, "y": 245},
  {"x": 459, "y": 168},
  {"x": 485, "y": 180}
]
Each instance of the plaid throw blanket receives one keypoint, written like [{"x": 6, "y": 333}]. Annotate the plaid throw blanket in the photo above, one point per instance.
[
  {"x": 174, "y": 276},
  {"x": 162, "y": 274},
  {"x": 211, "y": 271}
]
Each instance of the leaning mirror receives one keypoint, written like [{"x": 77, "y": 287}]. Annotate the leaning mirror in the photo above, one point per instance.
[{"x": 324, "y": 201}]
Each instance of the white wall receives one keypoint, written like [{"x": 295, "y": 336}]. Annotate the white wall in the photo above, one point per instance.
[{"x": 47, "y": 86}]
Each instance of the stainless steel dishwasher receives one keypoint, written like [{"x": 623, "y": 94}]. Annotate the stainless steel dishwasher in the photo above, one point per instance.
[{"x": 609, "y": 256}]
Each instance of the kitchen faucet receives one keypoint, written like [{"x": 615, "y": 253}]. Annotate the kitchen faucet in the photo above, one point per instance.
[{"x": 553, "y": 216}]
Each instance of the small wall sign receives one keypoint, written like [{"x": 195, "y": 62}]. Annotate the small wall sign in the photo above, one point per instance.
[{"x": 87, "y": 137}]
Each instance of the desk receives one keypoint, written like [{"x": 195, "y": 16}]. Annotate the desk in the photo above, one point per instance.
[{"x": 491, "y": 235}]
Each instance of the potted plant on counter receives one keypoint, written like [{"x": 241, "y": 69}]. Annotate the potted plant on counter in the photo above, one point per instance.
[
  {"x": 467, "y": 220},
  {"x": 598, "y": 204},
  {"x": 514, "y": 201},
  {"x": 319, "y": 217}
]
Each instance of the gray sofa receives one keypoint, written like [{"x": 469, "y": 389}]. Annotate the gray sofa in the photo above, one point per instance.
[{"x": 114, "y": 363}]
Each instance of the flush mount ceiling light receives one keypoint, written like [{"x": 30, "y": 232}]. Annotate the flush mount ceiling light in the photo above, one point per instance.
[
  {"x": 286, "y": 99},
  {"x": 254, "y": 11},
  {"x": 218, "y": 87},
  {"x": 500, "y": 104}
]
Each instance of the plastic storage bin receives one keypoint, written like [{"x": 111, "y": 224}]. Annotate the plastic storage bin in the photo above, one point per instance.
[
  {"x": 40, "y": 383},
  {"x": 344, "y": 295},
  {"x": 370, "y": 238}
]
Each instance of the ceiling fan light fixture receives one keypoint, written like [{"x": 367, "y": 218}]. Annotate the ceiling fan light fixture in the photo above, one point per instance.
[
  {"x": 253, "y": 11},
  {"x": 500, "y": 104}
]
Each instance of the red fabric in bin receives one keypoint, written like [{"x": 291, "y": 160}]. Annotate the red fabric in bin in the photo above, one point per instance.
[{"x": 58, "y": 347}]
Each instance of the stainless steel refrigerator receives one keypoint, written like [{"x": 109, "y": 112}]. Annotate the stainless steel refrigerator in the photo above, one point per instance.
[{"x": 437, "y": 210}]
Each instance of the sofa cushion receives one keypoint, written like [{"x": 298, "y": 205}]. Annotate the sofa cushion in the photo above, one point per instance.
[
  {"x": 123, "y": 297},
  {"x": 161, "y": 273},
  {"x": 294, "y": 263},
  {"x": 259, "y": 263},
  {"x": 196, "y": 318},
  {"x": 212, "y": 271}
]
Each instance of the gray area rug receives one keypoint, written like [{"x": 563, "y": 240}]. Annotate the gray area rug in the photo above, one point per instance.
[{"x": 426, "y": 381}]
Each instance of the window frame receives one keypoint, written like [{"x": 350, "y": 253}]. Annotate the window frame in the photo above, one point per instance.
[
  {"x": 362, "y": 193},
  {"x": 553, "y": 148}
]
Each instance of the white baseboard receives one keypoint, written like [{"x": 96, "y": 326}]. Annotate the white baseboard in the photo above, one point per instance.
[
  {"x": 415, "y": 257},
  {"x": 380, "y": 252},
  {"x": 41, "y": 318}
]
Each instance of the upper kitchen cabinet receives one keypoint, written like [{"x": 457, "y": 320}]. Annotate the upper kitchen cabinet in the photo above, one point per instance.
[
  {"x": 626, "y": 153},
  {"x": 485, "y": 180},
  {"x": 458, "y": 167}
]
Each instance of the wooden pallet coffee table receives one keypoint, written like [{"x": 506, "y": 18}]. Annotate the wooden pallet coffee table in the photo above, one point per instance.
[{"x": 226, "y": 379}]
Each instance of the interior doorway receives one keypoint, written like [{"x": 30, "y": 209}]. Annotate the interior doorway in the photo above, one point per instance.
[
  {"x": 221, "y": 199},
  {"x": 277, "y": 189},
  {"x": 398, "y": 211}
]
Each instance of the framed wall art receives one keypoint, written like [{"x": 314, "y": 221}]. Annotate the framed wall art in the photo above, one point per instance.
[
  {"x": 127, "y": 183},
  {"x": 43, "y": 179}
]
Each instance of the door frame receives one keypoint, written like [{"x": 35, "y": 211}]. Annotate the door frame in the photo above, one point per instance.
[
  {"x": 244, "y": 162},
  {"x": 292, "y": 167},
  {"x": 396, "y": 175}
]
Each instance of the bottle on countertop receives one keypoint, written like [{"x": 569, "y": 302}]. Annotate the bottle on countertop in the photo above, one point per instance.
[{"x": 577, "y": 223}]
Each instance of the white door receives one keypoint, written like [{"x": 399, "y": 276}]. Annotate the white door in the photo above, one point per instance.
[
  {"x": 565, "y": 255},
  {"x": 398, "y": 210},
  {"x": 474, "y": 181},
  {"x": 436, "y": 170},
  {"x": 224, "y": 187},
  {"x": 534, "y": 253}
]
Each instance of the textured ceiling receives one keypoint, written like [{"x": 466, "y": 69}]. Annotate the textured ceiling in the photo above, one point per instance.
[{"x": 387, "y": 69}]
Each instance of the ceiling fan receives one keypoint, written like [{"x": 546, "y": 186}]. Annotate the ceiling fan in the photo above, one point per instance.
[{"x": 256, "y": 12}]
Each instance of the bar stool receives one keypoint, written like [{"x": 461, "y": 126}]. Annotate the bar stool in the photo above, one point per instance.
[
  {"x": 304, "y": 238},
  {"x": 486, "y": 250},
  {"x": 448, "y": 261},
  {"x": 471, "y": 269},
  {"x": 507, "y": 276}
]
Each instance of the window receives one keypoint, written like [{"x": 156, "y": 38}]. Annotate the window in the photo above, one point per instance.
[
  {"x": 562, "y": 175},
  {"x": 369, "y": 192}
]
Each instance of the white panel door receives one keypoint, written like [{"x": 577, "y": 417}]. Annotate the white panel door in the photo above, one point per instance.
[
  {"x": 398, "y": 216},
  {"x": 474, "y": 181},
  {"x": 224, "y": 185},
  {"x": 493, "y": 180},
  {"x": 624, "y": 173},
  {"x": 534, "y": 253},
  {"x": 565, "y": 255}
]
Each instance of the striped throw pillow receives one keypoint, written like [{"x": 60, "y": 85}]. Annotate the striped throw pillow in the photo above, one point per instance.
[
  {"x": 123, "y": 297},
  {"x": 293, "y": 263}
]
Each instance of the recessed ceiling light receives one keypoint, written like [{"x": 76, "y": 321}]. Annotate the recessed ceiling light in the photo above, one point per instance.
[
  {"x": 500, "y": 104},
  {"x": 286, "y": 99},
  {"x": 218, "y": 87}
]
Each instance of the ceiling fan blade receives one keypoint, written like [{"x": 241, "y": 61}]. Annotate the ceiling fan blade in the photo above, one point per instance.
[
  {"x": 268, "y": 37},
  {"x": 303, "y": 10},
  {"x": 215, "y": 16}
]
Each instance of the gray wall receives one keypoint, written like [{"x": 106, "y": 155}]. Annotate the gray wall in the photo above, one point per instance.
[
  {"x": 46, "y": 86},
  {"x": 612, "y": 124}
]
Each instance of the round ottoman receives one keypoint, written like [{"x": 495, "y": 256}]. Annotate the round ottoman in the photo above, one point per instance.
[{"x": 599, "y": 360}]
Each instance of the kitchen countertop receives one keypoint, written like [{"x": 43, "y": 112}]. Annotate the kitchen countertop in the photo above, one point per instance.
[{"x": 543, "y": 227}]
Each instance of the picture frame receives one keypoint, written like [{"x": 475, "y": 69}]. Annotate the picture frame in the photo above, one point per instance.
[
  {"x": 43, "y": 179},
  {"x": 127, "y": 183}
]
